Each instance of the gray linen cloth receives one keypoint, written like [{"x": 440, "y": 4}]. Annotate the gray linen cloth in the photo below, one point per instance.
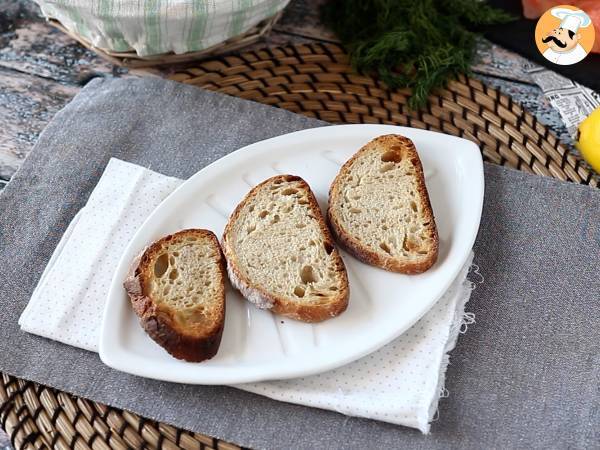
[{"x": 525, "y": 376}]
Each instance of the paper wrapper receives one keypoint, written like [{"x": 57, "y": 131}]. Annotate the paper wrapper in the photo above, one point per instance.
[{"x": 573, "y": 101}]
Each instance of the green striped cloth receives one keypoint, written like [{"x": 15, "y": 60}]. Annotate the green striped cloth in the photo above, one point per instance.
[{"x": 152, "y": 27}]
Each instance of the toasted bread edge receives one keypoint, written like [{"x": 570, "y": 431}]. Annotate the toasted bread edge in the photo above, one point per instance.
[
  {"x": 362, "y": 252},
  {"x": 266, "y": 300},
  {"x": 159, "y": 324}
]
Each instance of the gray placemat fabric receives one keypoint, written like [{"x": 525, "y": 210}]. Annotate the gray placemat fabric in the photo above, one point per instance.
[{"x": 524, "y": 376}]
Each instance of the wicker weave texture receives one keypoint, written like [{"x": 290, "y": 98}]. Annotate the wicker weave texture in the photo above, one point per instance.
[
  {"x": 317, "y": 81},
  {"x": 37, "y": 417}
]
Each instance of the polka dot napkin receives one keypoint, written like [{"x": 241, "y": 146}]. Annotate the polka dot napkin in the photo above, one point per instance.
[{"x": 400, "y": 383}]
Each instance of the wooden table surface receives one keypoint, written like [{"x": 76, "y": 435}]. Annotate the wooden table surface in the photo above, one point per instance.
[{"x": 41, "y": 69}]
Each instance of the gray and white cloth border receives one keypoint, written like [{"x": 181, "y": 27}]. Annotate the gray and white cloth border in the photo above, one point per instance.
[{"x": 400, "y": 383}]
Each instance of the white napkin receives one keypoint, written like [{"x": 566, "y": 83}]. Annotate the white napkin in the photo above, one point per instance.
[{"x": 400, "y": 383}]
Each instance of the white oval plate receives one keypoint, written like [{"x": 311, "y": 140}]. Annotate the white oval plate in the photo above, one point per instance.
[{"x": 258, "y": 345}]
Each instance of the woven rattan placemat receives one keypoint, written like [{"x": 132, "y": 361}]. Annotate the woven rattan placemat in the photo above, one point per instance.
[{"x": 317, "y": 81}]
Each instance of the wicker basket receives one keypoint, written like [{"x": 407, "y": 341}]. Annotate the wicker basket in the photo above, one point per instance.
[
  {"x": 134, "y": 61},
  {"x": 317, "y": 81}
]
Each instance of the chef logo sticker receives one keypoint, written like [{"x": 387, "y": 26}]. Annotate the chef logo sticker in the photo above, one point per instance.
[{"x": 564, "y": 35}]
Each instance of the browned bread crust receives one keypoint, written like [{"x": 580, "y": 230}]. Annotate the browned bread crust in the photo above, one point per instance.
[
  {"x": 190, "y": 340},
  {"x": 406, "y": 150},
  {"x": 261, "y": 297}
]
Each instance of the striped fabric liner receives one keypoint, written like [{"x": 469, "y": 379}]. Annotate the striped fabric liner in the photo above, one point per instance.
[{"x": 153, "y": 27}]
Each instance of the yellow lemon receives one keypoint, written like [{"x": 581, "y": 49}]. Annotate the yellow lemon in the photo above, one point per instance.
[{"x": 589, "y": 139}]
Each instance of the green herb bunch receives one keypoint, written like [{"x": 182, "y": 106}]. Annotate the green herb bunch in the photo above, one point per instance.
[{"x": 419, "y": 44}]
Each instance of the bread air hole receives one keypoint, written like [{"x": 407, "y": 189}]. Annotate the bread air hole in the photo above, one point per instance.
[
  {"x": 275, "y": 219},
  {"x": 405, "y": 244},
  {"x": 289, "y": 191},
  {"x": 409, "y": 244},
  {"x": 173, "y": 274},
  {"x": 391, "y": 156},
  {"x": 386, "y": 248},
  {"x": 307, "y": 275},
  {"x": 263, "y": 214},
  {"x": 355, "y": 210},
  {"x": 299, "y": 291},
  {"x": 161, "y": 265}
]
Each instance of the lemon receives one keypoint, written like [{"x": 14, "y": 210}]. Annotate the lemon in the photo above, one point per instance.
[{"x": 589, "y": 139}]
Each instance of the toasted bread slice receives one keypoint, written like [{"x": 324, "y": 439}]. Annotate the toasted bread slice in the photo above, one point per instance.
[
  {"x": 379, "y": 207},
  {"x": 280, "y": 254},
  {"x": 177, "y": 288}
]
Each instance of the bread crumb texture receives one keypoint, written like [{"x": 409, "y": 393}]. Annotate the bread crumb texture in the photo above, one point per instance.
[
  {"x": 186, "y": 278},
  {"x": 279, "y": 245},
  {"x": 380, "y": 200}
]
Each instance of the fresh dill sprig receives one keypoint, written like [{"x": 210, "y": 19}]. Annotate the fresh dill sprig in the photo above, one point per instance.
[{"x": 419, "y": 44}]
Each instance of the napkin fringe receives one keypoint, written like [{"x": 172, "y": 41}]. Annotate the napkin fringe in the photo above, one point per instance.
[{"x": 462, "y": 320}]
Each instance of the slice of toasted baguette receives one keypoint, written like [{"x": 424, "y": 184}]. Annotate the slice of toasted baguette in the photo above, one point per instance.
[
  {"x": 379, "y": 207},
  {"x": 177, "y": 288},
  {"x": 280, "y": 254}
]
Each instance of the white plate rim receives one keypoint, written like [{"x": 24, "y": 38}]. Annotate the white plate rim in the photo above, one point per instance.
[{"x": 109, "y": 354}]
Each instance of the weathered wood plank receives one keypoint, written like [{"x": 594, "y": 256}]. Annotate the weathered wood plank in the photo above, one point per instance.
[
  {"x": 27, "y": 103},
  {"x": 35, "y": 47},
  {"x": 38, "y": 49},
  {"x": 14, "y": 11},
  {"x": 41, "y": 69},
  {"x": 302, "y": 18}
]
